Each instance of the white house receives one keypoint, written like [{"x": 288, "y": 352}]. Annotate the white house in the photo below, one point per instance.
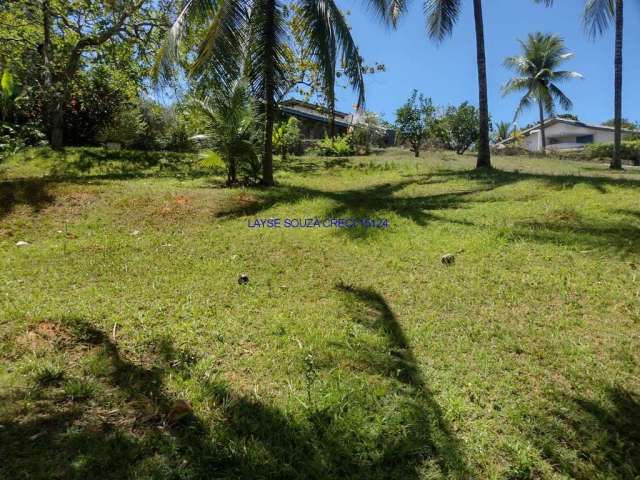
[{"x": 565, "y": 134}]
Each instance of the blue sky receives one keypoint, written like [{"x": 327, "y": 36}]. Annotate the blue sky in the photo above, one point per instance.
[{"x": 447, "y": 72}]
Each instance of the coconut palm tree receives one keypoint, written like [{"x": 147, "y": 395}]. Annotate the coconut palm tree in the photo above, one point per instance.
[
  {"x": 503, "y": 131},
  {"x": 246, "y": 38},
  {"x": 538, "y": 75},
  {"x": 442, "y": 16},
  {"x": 597, "y": 17}
]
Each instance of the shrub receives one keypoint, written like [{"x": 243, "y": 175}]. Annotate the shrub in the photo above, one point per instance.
[
  {"x": 340, "y": 146},
  {"x": 233, "y": 129},
  {"x": 630, "y": 150},
  {"x": 458, "y": 128},
  {"x": 286, "y": 137},
  {"x": 14, "y": 138}
]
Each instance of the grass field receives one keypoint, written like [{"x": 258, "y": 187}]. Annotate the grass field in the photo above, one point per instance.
[{"x": 351, "y": 353}]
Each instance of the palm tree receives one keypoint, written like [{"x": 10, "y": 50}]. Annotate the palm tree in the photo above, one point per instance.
[
  {"x": 246, "y": 38},
  {"x": 503, "y": 131},
  {"x": 537, "y": 76},
  {"x": 598, "y": 15},
  {"x": 442, "y": 16},
  {"x": 231, "y": 121}
]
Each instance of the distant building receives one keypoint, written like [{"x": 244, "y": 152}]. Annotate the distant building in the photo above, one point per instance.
[
  {"x": 565, "y": 134},
  {"x": 314, "y": 120}
]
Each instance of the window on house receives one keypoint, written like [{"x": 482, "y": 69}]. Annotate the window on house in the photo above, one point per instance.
[{"x": 584, "y": 139}]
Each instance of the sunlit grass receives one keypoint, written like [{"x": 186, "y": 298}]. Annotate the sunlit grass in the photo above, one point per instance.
[{"x": 351, "y": 353}]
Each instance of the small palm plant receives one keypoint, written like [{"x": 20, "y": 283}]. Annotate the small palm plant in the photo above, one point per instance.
[
  {"x": 503, "y": 131},
  {"x": 233, "y": 129},
  {"x": 538, "y": 76}
]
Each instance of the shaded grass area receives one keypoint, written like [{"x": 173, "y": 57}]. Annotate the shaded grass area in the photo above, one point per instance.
[{"x": 351, "y": 353}]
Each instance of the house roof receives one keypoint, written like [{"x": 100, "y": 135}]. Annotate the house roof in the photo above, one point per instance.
[
  {"x": 295, "y": 103},
  {"x": 314, "y": 112}
]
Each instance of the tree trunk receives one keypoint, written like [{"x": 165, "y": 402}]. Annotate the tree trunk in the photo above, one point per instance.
[
  {"x": 484, "y": 153},
  {"x": 616, "y": 161},
  {"x": 56, "y": 126},
  {"x": 269, "y": 39},
  {"x": 233, "y": 171},
  {"x": 543, "y": 135}
]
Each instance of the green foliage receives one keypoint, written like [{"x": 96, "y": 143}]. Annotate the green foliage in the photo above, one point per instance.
[
  {"x": 370, "y": 131},
  {"x": 503, "y": 131},
  {"x": 414, "y": 121},
  {"x": 124, "y": 128},
  {"x": 14, "y": 138},
  {"x": 629, "y": 150},
  {"x": 538, "y": 75},
  {"x": 458, "y": 128},
  {"x": 340, "y": 146},
  {"x": 395, "y": 392},
  {"x": 626, "y": 124},
  {"x": 232, "y": 127},
  {"x": 286, "y": 137}
]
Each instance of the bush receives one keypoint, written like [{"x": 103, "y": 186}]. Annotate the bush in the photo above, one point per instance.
[
  {"x": 630, "y": 150},
  {"x": 458, "y": 129},
  {"x": 14, "y": 138},
  {"x": 340, "y": 146},
  {"x": 287, "y": 138}
]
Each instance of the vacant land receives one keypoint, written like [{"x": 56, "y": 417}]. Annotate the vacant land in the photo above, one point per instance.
[{"x": 351, "y": 353}]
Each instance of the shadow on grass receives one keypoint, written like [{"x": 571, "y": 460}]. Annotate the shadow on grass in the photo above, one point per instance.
[
  {"x": 428, "y": 435},
  {"x": 374, "y": 202},
  {"x": 30, "y": 192},
  {"x": 131, "y": 430},
  {"x": 587, "y": 439}
]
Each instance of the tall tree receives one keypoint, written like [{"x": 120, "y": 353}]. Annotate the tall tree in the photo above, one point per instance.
[
  {"x": 442, "y": 16},
  {"x": 598, "y": 16},
  {"x": 538, "y": 75},
  {"x": 248, "y": 38},
  {"x": 68, "y": 35}
]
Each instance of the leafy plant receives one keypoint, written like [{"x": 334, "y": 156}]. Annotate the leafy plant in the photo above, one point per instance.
[
  {"x": 414, "y": 121},
  {"x": 286, "y": 136},
  {"x": 125, "y": 128},
  {"x": 14, "y": 138},
  {"x": 232, "y": 129},
  {"x": 537, "y": 75},
  {"x": 629, "y": 150},
  {"x": 458, "y": 128},
  {"x": 340, "y": 146}
]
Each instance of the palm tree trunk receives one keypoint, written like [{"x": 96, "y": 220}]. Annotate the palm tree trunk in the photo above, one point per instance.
[
  {"x": 543, "y": 135},
  {"x": 484, "y": 153},
  {"x": 616, "y": 161},
  {"x": 269, "y": 39}
]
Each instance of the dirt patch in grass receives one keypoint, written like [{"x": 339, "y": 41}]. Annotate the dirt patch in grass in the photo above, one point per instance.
[{"x": 44, "y": 336}]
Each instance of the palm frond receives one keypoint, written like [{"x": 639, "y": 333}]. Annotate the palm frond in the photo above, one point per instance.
[
  {"x": 265, "y": 53},
  {"x": 559, "y": 95},
  {"x": 524, "y": 104},
  {"x": 221, "y": 50},
  {"x": 597, "y": 16},
  {"x": 441, "y": 17},
  {"x": 516, "y": 85},
  {"x": 167, "y": 56}
]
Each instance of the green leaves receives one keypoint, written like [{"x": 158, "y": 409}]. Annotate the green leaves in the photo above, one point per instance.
[{"x": 537, "y": 74}]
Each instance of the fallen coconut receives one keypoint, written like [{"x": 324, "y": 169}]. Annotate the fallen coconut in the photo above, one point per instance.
[{"x": 448, "y": 259}]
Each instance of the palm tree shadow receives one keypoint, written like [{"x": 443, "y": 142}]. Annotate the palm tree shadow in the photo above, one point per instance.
[
  {"x": 245, "y": 438},
  {"x": 588, "y": 439},
  {"x": 373, "y": 311}
]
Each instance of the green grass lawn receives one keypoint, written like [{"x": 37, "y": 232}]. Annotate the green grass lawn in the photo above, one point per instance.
[{"x": 351, "y": 353}]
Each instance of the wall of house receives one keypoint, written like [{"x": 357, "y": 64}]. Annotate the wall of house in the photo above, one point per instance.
[{"x": 564, "y": 136}]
